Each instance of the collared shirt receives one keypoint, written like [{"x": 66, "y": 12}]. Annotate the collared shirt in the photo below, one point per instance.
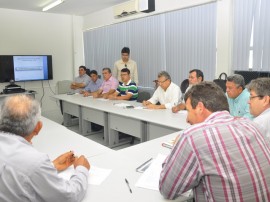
[
  {"x": 264, "y": 120},
  {"x": 169, "y": 98},
  {"x": 108, "y": 85},
  {"x": 130, "y": 87},
  {"x": 222, "y": 159},
  {"x": 81, "y": 79},
  {"x": 29, "y": 175},
  {"x": 239, "y": 106},
  {"x": 93, "y": 86},
  {"x": 131, "y": 65}
]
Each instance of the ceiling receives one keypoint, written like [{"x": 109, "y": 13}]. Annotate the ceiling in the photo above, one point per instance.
[{"x": 72, "y": 7}]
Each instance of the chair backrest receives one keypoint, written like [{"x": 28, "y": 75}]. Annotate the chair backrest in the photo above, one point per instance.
[
  {"x": 184, "y": 85},
  {"x": 143, "y": 95},
  {"x": 63, "y": 86}
]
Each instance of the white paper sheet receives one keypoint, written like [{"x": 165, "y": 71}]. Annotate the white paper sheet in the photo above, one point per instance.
[
  {"x": 123, "y": 105},
  {"x": 96, "y": 175},
  {"x": 150, "y": 178}
]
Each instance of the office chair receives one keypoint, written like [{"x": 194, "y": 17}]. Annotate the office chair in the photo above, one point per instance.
[{"x": 184, "y": 85}]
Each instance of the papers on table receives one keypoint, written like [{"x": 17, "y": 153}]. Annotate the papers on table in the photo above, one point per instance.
[
  {"x": 96, "y": 175},
  {"x": 102, "y": 99},
  {"x": 123, "y": 105},
  {"x": 150, "y": 178}
]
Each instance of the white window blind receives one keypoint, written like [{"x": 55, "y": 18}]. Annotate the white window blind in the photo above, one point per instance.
[{"x": 176, "y": 42}]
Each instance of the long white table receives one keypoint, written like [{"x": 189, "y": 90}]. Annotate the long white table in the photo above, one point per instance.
[
  {"x": 142, "y": 123},
  {"x": 54, "y": 139}
]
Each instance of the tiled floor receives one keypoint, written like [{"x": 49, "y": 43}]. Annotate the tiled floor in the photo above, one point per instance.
[{"x": 97, "y": 137}]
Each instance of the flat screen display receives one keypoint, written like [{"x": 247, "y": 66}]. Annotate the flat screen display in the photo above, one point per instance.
[{"x": 25, "y": 67}]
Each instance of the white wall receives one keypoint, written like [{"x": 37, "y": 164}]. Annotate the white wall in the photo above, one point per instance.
[
  {"x": 33, "y": 33},
  {"x": 105, "y": 17}
]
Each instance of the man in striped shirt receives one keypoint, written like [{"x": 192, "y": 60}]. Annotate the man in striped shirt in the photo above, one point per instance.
[
  {"x": 221, "y": 157},
  {"x": 127, "y": 90}
]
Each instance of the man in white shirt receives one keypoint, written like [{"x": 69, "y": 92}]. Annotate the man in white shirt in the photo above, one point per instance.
[
  {"x": 195, "y": 76},
  {"x": 81, "y": 81},
  {"x": 27, "y": 174},
  {"x": 126, "y": 62},
  {"x": 259, "y": 102},
  {"x": 167, "y": 94}
]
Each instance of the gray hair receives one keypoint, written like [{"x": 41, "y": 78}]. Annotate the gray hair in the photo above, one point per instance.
[
  {"x": 19, "y": 115},
  {"x": 107, "y": 69},
  {"x": 261, "y": 86},
  {"x": 164, "y": 74},
  {"x": 237, "y": 79},
  {"x": 210, "y": 94}
]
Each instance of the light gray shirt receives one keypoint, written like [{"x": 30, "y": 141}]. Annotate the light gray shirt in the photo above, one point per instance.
[
  {"x": 264, "y": 120},
  {"x": 82, "y": 79},
  {"x": 29, "y": 175}
]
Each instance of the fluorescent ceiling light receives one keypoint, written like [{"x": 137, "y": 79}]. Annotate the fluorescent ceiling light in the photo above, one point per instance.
[{"x": 56, "y": 3}]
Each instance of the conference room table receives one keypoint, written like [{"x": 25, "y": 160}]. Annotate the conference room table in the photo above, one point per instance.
[
  {"x": 143, "y": 123},
  {"x": 55, "y": 139}
]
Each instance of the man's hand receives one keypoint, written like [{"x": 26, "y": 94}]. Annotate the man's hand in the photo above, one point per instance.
[
  {"x": 82, "y": 161},
  {"x": 85, "y": 94},
  {"x": 145, "y": 103},
  {"x": 64, "y": 161}
]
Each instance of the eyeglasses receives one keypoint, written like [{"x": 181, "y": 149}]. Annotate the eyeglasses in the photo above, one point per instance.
[
  {"x": 252, "y": 97},
  {"x": 160, "y": 82}
]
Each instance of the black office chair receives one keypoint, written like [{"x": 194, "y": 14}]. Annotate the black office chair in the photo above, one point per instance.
[
  {"x": 143, "y": 95},
  {"x": 184, "y": 85}
]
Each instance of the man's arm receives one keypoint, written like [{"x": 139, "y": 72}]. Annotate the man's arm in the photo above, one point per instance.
[
  {"x": 106, "y": 95},
  {"x": 180, "y": 171},
  {"x": 48, "y": 186}
]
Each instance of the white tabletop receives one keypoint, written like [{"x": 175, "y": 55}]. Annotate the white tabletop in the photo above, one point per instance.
[
  {"x": 163, "y": 117},
  {"x": 55, "y": 139}
]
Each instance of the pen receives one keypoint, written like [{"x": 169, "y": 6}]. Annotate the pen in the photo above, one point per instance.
[
  {"x": 143, "y": 164},
  {"x": 128, "y": 185}
]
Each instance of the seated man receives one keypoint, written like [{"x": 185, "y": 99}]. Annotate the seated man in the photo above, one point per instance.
[
  {"x": 259, "y": 102},
  {"x": 108, "y": 85},
  {"x": 220, "y": 157},
  {"x": 167, "y": 94},
  {"x": 237, "y": 96},
  {"x": 195, "y": 76},
  {"x": 27, "y": 174},
  {"x": 127, "y": 90},
  {"x": 81, "y": 81},
  {"x": 93, "y": 85}
]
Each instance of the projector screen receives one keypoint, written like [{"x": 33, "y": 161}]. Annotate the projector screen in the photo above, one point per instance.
[{"x": 25, "y": 68}]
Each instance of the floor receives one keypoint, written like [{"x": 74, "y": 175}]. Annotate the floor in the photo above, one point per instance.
[{"x": 57, "y": 117}]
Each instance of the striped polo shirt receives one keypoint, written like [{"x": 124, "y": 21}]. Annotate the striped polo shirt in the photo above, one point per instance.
[{"x": 130, "y": 87}]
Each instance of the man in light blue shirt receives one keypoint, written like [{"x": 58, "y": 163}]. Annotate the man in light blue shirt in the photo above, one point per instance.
[
  {"x": 93, "y": 85},
  {"x": 80, "y": 81},
  {"x": 238, "y": 96}
]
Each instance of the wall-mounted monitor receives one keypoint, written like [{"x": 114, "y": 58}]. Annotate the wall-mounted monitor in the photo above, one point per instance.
[{"x": 25, "y": 67}]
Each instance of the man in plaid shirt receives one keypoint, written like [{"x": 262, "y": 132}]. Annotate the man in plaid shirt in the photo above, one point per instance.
[{"x": 221, "y": 157}]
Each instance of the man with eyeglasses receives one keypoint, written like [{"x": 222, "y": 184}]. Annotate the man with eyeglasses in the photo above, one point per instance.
[
  {"x": 126, "y": 62},
  {"x": 259, "y": 102},
  {"x": 195, "y": 76},
  {"x": 167, "y": 94},
  {"x": 127, "y": 90},
  {"x": 237, "y": 96}
]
